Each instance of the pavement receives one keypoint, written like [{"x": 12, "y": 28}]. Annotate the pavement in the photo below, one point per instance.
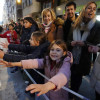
[{"x": 13, "y": 86}]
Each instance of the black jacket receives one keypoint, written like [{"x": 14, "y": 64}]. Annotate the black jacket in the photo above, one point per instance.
[
  {"x": 31, "y": 52},
  {"x": 66, "y": 28},
  {"x": 85, "y": 59},
  {"x": 26, "y": 34}
]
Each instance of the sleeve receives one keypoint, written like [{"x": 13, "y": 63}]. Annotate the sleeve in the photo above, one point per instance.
[
  {"x": 20, "y": 47},
  {"x": 32, "y": 63},
  {"x": 17, "y": 58},
  {"x": 4, "y": 35},
  {"x": 63, "y": 76}
]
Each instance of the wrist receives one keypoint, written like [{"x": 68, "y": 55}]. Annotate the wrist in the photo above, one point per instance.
[{"x": 50, "y": 85}]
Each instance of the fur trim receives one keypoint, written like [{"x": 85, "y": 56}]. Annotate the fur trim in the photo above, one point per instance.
[{"x": 59, "y": 21}]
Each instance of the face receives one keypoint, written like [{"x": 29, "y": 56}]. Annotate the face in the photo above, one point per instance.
[
  {"x": 90, "y": 11},
  {"x": 21, "y": 22},
  {"x": 47, "y": 18},
  {"x": 33, "y": 41},
  {"x": 70, "y": 11},
  {"x": 11, "y": 27},
  {"x": 56, "y": 52},
  {"x": 27, "y": 24}
]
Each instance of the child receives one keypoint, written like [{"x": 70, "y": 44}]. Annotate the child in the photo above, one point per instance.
[
  {"x": 11, "y": 35},
  {"x": 37, "y": 48},
  {"x": 29, "y": 26},
  {"x": 57, "y": 68}
]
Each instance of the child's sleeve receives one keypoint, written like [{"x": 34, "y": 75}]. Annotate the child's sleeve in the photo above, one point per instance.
[
  {"x": 32, "y": 63},
  {"x": 63, "y": 75}
]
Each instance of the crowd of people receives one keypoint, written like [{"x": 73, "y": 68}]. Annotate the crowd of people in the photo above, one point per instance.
[{"x": 60, "y": 48}]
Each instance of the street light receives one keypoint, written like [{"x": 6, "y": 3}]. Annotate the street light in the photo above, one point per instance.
[{"x": 18, "y": 1}]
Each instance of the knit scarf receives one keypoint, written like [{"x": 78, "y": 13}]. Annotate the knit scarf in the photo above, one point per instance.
[
  {"x": 76, "y": 51},
  {"x": 47, "y": 27}
]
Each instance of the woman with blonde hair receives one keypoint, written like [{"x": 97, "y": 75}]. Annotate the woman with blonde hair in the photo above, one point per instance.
[
  {"x": 52, "y": 27},
  {"x": 86, "y": 31}
]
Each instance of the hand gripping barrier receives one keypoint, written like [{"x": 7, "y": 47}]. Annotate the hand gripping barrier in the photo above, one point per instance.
[{"x": 42, "y": 97}]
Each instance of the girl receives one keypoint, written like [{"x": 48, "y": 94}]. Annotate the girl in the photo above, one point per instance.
[
  {"x": 29, "y": 26},
  {"x": 57, "y": 68},
  {"x": 52, "y": 27},
  {"x": 37, "y": 48},
  {"x": 11, "y": 35},
  {"x": 85, "y": 30}
]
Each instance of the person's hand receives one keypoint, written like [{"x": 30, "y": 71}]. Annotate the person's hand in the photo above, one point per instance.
[
  {"x": 41, "y": 88},
  {"x": 5, "y": 63},
  {"x": 1, "y": 54},
  {"x": 73, "y": 43},
  {"x": 80, "y": 43},
  {"x": 93, "y": 49},
  {"x": 4, "y": 45}
]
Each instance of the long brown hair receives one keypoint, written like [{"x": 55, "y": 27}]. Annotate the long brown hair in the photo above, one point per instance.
[
  {"x": 61, "y": 44},
  {"x": 81, "y": 15}
]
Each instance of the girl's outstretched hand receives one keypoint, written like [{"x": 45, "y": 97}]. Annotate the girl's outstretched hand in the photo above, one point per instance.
[
  {"x": 4, "y": 45},
  {"x": 5, "y": 63},
  {"x": 41, "y": 88}
]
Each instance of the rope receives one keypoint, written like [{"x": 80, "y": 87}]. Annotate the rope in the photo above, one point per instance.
[{"x": 67, "y": 89}]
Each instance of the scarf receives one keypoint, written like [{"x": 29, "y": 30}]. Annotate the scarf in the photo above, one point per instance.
[
  {"x": 47, "y": 27},
  {"x": 76, "y": 51}
]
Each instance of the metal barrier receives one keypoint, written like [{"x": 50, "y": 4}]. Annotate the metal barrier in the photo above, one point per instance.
[
  {"x": 67, "y": 89},
  {"x": 42, "y": 97}
]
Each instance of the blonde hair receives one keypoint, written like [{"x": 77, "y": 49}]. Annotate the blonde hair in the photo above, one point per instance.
[
  {"x": 82, "y": 14},
  {"x": 44, "y": 12}
]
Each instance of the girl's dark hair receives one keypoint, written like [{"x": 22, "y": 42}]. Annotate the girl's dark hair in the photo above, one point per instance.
[
  {"x": 11, "y": 25},
  {"x": 30, "y": 19},
  {"x": 61, "y": 44},
  {"x": 39, "y": 36}
]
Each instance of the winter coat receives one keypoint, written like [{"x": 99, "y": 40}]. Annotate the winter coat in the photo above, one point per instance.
[
  {"x": 55, "y": 31},
  {"x": 11, "y": 36},
  {"x": 84, "y": 65},
  {"x": 66, "y": 28},
  {"x": 95, "y": 75},
  {"x": 26, "y": 34},
  {"x": 58, "y": 76},
  {"x": 30, "y": 52}
]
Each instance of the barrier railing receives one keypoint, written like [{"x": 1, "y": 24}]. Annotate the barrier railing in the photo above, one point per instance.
[
  {"x": 42, "y": 97},
  {"x": 67, "y": 89}
]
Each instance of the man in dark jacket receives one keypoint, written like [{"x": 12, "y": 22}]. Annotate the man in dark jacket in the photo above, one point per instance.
[{"x": 70, "y": 9}]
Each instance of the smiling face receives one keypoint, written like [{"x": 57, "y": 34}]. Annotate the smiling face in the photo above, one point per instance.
[
  {"x": 70, "y": 11},
  {"x": 90, "y": 11},
  {"x": 47, "y": 18},
  {"x": 56, "y": 52}
]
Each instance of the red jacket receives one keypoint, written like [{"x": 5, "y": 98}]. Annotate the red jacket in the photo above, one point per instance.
[{"x": 11, "y": 36}]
